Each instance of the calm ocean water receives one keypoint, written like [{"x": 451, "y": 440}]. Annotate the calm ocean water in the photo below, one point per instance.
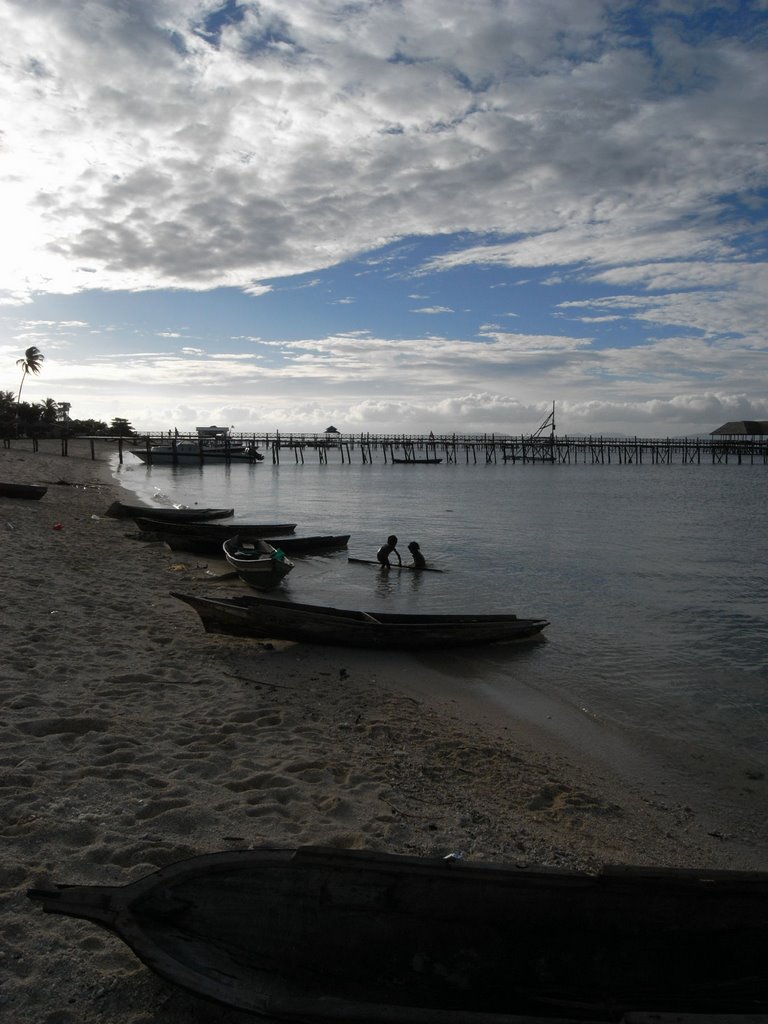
[{"x": 654, "y": 579}]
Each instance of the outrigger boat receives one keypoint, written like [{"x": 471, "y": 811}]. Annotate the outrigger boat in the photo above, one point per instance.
[
  {"x": 269, "y": 618},
  {"x": 332, "y": 935}
]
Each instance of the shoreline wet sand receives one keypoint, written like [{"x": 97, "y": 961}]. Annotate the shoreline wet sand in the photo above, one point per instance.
[{"x": 132, "y": 739}]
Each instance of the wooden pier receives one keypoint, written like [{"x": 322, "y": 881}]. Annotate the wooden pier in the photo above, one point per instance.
[
  {"x": 451, "y": 449},
  {"x": 486, "y": 449}
]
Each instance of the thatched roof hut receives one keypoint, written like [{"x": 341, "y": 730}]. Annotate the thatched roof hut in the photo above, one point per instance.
[{"x": 742, "y": 428}]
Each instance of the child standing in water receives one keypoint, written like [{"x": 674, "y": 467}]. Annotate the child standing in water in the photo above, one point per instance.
[{"x": 388, "y": 549}]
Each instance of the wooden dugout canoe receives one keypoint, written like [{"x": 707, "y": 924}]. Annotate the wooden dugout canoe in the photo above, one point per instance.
[
  {"x": 200, "y": 543},
  {"x": 268, "y": 618},
  {"x": 120, "y": 510},
  {"x": 211, "y": 533},
  {"x": 291, "y": 545},
  {"x": 328, "y": 935},
  {"x": 32, "y": 492},
  {"x": 309, "y": 545}
]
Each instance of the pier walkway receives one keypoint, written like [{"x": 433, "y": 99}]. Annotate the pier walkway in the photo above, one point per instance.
[{"x": 484, "y": 449}]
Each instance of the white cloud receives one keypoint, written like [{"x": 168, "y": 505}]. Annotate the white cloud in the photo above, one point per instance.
[
  {"x": 149, "y": 145},
  {"x": 146, "y": 150},
  {"x": 425, "y": 374},
  {"x": 476, "y": 411},
  {"x": 721, "y": 298}
]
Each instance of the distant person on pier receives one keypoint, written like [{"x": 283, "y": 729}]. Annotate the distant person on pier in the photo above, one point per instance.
[
  {"x": 419, "y": 561},
  {"x": 390, "y": 548}
]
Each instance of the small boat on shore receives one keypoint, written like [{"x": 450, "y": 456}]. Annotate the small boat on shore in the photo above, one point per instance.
[
  {"x": 267, "y": 618},
  {"x": 334, "y": 935},
  {"x": 394, "y": 565},
  {"x": 213, "y": 533},
  {"x": 258, "y": 563},
  {"x": 209, "y": 542},
  {"x": 291, "y": 545},
  {"x": 32, "y": 492},
  {"x": 309, "y": 545},
  {"x": 120, "y": 510},
  {"x": 312, "y": 545}
]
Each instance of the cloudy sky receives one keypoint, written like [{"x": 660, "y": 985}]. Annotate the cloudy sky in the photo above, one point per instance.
[{"x": 387, "y": 215}]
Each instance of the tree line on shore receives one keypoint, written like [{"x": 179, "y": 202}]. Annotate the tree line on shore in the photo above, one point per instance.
[
  {"x": 43, "y": 419},
  {"x": 48, "y": 418}
]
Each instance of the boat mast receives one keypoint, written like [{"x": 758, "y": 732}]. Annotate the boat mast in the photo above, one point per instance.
[{"x": 548, "y": 422}]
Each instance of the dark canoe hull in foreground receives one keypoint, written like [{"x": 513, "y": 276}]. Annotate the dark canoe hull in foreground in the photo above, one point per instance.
[
  {"x": 268, "y": 618},
  {"x": 29, "y": 491},
  {"x": 328, "y": 935},
  {"x": 119, "y": 510}
]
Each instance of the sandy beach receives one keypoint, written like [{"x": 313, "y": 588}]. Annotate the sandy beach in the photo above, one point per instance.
[{"x": 131, "y": 739}]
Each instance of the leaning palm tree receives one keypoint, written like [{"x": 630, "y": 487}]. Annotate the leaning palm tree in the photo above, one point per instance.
[{"x": 30, "y": 363}]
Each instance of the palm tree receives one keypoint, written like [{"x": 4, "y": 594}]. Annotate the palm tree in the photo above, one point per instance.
[
  {"x": 49, "y": 409},
  {"x": 30, "y": 363},
  {"x": 7, "y": 412}
]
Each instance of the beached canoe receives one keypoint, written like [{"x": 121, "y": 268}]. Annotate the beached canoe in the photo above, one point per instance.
[
  {"x": 31, "y": 492},
  {"x": 331, "y": 935},
  {"x": 212, "y": 533},
  {"x": 394, "y": 565},
  {"x": 120, "y": 510},
  {"x": 203, "y": 543},
  {"x": 309, "y": 545},
  {"x": 258, "y": 563},
  {"x": 268, "y": 618},
  {"x": 291, "y": 545}
]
